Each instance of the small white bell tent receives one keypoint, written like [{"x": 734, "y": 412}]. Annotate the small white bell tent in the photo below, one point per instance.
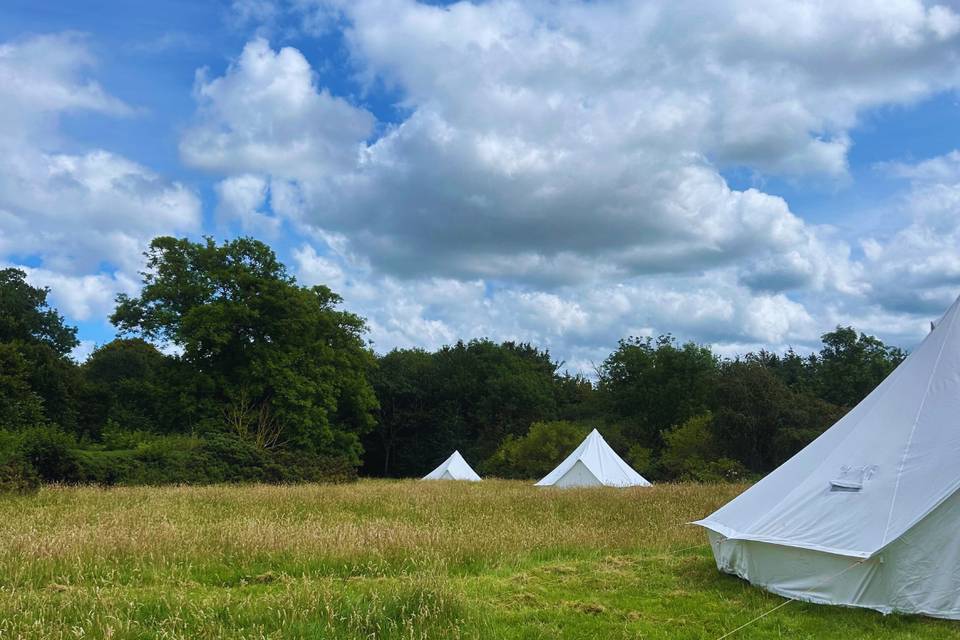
[
  {"x": 453, "y": 468},
  {"x": 867, "y": 514},
  {"x": 593, "y": 464}
]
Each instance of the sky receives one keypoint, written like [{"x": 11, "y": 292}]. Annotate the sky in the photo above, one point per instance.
[{"x": 746, "y": 175}]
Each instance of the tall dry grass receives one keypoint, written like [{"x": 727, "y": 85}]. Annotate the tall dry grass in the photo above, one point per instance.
[
  {"x": 388, "y": 560},
  {"x": 87, "y": 535}
]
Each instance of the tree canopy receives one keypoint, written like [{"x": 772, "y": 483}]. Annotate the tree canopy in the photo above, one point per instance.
[
  {"x": 256, "y": 341},
  {"x": 226, "y": 369}
]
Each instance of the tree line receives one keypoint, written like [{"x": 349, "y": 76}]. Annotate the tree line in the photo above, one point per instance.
[{"x": 226, "y": 369}]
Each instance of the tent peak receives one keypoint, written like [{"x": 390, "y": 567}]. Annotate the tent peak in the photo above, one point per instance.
[
  {"x": 593, "y": 463},
  {"x": 453, "y": 468}
]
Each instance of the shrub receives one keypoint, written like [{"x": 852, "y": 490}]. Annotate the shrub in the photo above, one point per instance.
[
  {"x": 688, "y": 446},
  {"x": 50, "y": 451},
  {"x": 536, "y": 453},
  {"x": 641, "y": 459},
  {"x": 691, "y": 453},
  {"x": 113, "y": 437},
  {"x": 228, "y": 458},
  {"x": 17, "y": 476},
  {"x": 286, "y": 466}
]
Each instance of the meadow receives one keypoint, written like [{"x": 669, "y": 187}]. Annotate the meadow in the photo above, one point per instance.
[{"x": 389, "y": 559}]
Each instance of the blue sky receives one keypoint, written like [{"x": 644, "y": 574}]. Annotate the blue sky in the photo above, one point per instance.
[{"x": 566, "y": 174}]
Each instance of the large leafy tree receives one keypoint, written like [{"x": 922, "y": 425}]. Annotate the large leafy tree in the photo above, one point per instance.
[
  {"x": 655, "y": 384},
  {"x": 37, "y": 343},
  {"x": 132, "y": 384},
  {"x": 759, "y": 420},
  {"x": 487, "y": 391},
  {"x": 405, "y": 383},
  {"x": 261, "y": 349},
  {"x": 20, "y": 405},
  {"x": 851, "y": 365},
  {"x": 536, "y": 453},
  {"x": 467, "y": 396},
  {"x": 26, "y": 317}
]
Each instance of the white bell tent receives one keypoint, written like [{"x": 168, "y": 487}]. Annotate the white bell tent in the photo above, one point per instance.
[
  {"x": 867, "y": 514},
  {"x": 453, "y": 468},
  {"x": 593, "y": 464}
]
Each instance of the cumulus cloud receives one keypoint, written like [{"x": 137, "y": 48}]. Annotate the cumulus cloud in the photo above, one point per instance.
[
  {"x": 69, "y": 213},
  {"x": 917, "y": 269},
  {"x": 556, "y": 143},
  {"x": 82, "y": 297},
  {"x": 43, "y": 77},
  {"x": 579, "y": 324},
  {"x": 557, "y": 175},
  {"x": 76, "y": 211},
  {"x": 243, "y": 198},
  {"x": 266, "y": 114}
]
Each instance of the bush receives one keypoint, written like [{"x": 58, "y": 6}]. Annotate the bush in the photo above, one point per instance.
[
  {"x": 691, "y": 453},
  {"x": 688, "y": 446},
  {"x": 641, "y": 459},
  {"x": 17, "y": 476},
  {"x": 228, "y": 458},
  {"x": 544, "y": 446},
  {"x": 50, "y": 451},
  {"x": 286, "y": 466},
  {"x": 213, "y": 459},
  {"x": 115, "y": 438}
]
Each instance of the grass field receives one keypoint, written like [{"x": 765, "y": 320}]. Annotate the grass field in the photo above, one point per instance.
[{"x": 382, "y": 559}]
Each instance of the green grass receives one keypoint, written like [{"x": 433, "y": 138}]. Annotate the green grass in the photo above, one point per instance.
[{"x": 382, "y": 559}]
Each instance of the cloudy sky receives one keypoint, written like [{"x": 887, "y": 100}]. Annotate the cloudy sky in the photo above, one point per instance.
[{"x": 567, "y": 173}]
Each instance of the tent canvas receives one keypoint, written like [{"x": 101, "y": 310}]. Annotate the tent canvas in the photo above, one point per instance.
[
  {"x": 453, "y": 468},
  {"x": 593, "y": 463},
  {"x": 865, "y": 515}
]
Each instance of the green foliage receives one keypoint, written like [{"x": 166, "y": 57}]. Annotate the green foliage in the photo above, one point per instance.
[
  {"x": 760, "y": 421},
  {"x": 17, "y": 476},
  {"x": 214, "y": 459},
  {"x": 250, "y": 334},
  {"x": 130, "y": 383},
  {"x": 405, "y": 381},
  {"x": 535, "y": 454},
  {"x": 25, "y": 316},
  {"x": 642, "y": 460},
  {"x": 20, "y": 405},
  {"x": 273, "y": 382},
  {"x": 691, "y": 452},
  {"x": 688, "y": 446},
  {"x": 656, "y": 384},
  {"x": 468, "y": 396},
  {"x": 50, "y": 452},
  {"x": 851, "y": 365}
]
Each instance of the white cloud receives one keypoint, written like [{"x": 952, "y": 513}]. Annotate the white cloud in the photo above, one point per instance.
[
  {"x": 557, "y": 174},
  {"x": 76, "y": 211},
  {"x": 550, "y": 144},
  {"x": 43, "y": 77},
  {"x": 266, "y": 115},
  {"x": 82, "y": 297},
  {"x": 579, "y": 324},
  {"x": 72, "y": 212},
  {"x": 917, "y": 269},
  {"x": 83, "y": 350},
  {"x": 243, "y": 198}
]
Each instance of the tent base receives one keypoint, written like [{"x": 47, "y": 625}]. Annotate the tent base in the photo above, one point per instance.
[{"x": 881, "y": 583}]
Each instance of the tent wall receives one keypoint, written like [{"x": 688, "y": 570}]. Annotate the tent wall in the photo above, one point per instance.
[
  {"x": 917, "y": 573},
  {"x": 578, "y": 476}
]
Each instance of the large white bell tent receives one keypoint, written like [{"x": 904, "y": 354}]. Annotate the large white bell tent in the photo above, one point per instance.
[
  {"x": 868, "y": 514},
  {"x": 591, "y": 464},
  {"x": 453, "y": 468}
]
